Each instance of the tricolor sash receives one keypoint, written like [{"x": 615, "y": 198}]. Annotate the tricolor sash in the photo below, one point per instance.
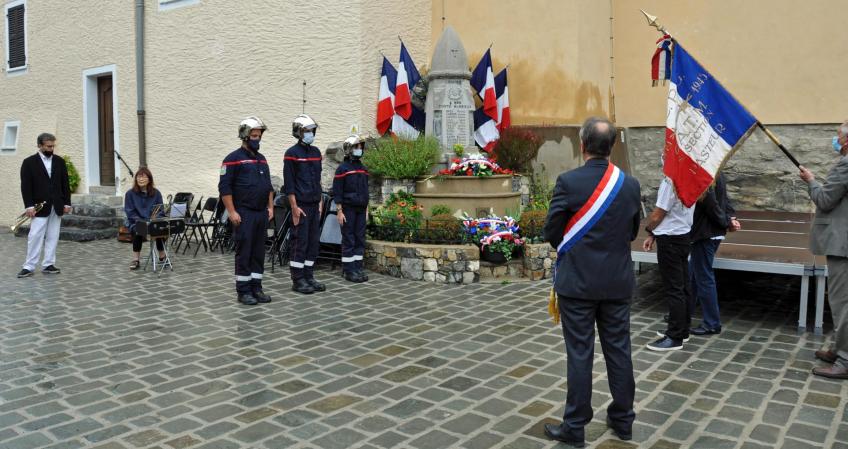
[
  {"x": 595, "y": 207},
  {"x": 582, "y": 221}
]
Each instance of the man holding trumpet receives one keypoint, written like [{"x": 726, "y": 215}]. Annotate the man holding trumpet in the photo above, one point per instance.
[{"x": 44, "y": 182}]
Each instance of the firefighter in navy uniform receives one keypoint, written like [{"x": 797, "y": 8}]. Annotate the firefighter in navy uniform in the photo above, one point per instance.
[
  {"x": 302, "y": 186},
  {"x": 350, "y": 192},
  {"x": 246, "y": 191}
]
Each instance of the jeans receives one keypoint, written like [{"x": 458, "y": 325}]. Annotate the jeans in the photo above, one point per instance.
[{"x": 703, "y": 281}]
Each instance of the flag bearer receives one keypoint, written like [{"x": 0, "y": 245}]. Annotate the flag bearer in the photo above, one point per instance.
[
  {"x": 302, "y": 186},
  {"x": 350, "y": 192},
  {"x": 246, "y": 191}
]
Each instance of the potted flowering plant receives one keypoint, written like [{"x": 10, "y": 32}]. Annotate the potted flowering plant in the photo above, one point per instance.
[
  {"x": 474, "y": 165},
  {"x": 498, "y": 237}
]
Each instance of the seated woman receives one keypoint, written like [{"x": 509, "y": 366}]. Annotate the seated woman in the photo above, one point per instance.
[{"x": 139, "y": 203}]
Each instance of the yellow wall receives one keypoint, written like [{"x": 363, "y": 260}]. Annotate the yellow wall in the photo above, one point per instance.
[
  {"x": 557, "y": 51},
  {"x": 783, "y": 59}
]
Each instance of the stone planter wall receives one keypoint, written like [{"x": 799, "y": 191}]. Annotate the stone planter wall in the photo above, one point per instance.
[
  {"x": 538, "y": 261},
  {"x": 442, "y": 264},
  {"x": 454, "y": 264},
  {"x": 383, "y": 187}
]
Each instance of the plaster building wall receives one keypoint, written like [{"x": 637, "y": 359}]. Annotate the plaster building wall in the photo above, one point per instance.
[
  {"x": 557, "y": 51},
  {"x": 207, "y": 68},
  {"x": 64, "y": 39}
]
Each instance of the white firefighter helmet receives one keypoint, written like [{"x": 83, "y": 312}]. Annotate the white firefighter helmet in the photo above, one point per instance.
[
  {"x": 300, "y": 122},
  {"x": 351, "y": 142},
  {"x": 248, "y": 124}
]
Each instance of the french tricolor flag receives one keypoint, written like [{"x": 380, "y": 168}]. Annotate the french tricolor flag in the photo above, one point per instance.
[
  {"x": 406, "y": 80},
  {"x": 704, "y": 126},
  {"x": 386, "y": 101},
  {"x": 486, "y": 132},
  {"x": 483, "y": 80},
  {"x": 503, "y": 100}
]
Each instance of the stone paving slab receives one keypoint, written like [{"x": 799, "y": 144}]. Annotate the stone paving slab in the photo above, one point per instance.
[{"x": 102, "y": 357}]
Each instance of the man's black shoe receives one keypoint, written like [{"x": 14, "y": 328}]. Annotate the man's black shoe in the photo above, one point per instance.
[
  {"x": 556, "y": 433},
  {"x": 24, "y": 273},
  {"x": 622, "y": 435},
  {"x": 50, "y": 269},
  {"x": 701, "y": 330},
  {"x": 352, "y": 276},
  {"x": 261, "y": 296},
  {"x": 301, "y": 286},
  {"x": 317, "y": 286},
  {"x": 662, "y": 334},
  {"x": 247, "y": 299}
]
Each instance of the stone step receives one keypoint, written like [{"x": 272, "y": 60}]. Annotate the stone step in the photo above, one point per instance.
[
  {"x": 95, "y": 198},
  {"x": 102, "y": 190},
  {"x": 77, "y": 234},
  {"x": 91, "y": 222},
  {"x": 97, "y": 210}
]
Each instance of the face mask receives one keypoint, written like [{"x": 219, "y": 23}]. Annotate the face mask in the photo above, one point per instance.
[
  {"x": 357, "y": 153},
  {"x": 836, "y": 146},
  {"x": 308, "y": 138},
  {"x": 253, "y": 145}
]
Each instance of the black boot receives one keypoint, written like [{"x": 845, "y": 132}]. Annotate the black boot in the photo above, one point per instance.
[
  {"x": 247, "y": 299},
  {"x": 317, "y": 286},
  {"x": 261, "y": 296},
  {"x": 362, "y": 275},
  {"x": 351, "y": 276},
  {"x": 301, "y": 286}
]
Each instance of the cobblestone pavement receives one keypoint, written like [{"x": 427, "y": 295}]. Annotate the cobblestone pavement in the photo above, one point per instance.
[{"x": 102, "y": 357}]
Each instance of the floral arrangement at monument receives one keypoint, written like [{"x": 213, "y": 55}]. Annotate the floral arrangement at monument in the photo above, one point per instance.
[
  {"x": 498, "y": 237},
  {"x": 399, "y": 209},
  {"x": 475, "y": 164}
]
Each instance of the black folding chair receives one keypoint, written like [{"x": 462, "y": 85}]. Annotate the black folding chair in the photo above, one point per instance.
[
  {"x": 180, "y": 207},
  {"x": 191, "y": 217},
  {"x": 200, "y": 226},
  {"x": 278, "y": 250}
]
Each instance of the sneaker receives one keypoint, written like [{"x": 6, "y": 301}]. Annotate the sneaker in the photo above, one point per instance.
[
  {"x": 662, "y": 334},
  {"x": 665, "y": 344},
  {"x": 24, "y": 273},
  {"x": 51, "y": 269}
]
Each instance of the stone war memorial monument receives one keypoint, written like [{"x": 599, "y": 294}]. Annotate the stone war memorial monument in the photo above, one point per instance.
[
  {"x": 450, "y": 120},
  {"x": 450, "y": 102}
]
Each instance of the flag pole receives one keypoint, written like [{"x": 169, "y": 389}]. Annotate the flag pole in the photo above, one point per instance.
[{"x": 652, "y": 21}]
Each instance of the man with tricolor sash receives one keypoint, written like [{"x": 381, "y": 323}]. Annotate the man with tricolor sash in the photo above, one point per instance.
[{"x": 593, "y": 217}]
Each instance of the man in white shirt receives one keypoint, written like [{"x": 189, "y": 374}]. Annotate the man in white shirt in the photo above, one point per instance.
[{"x": 669, "y": 226}]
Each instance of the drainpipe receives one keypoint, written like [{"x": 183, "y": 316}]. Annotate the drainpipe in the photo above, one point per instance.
[{"x": 139, "y": 80}]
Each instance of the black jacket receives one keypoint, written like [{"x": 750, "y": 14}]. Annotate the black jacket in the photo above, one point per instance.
[
  {"x": 245, "y": 176},
  {"x": 350, "y": 184},
  {"x": 712, "y": 212},
  {"x": 302, "y": 173},
  {"x": 598, "y": 266},
  {"x": 37, "y": 186}
]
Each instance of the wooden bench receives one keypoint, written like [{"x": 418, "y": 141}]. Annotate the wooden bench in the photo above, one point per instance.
[{"x": 769, "y": 242}]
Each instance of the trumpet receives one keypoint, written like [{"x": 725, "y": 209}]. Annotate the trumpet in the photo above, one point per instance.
[{"x": 23, "y": 218}]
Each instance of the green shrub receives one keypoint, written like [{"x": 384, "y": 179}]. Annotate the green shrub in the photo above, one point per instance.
[
  {"x": 444, "y": 227},
  {"x": 541, "y": 192},
  {"x": 73, "y": 174},
  {"x": 516, "y": 149},
  {"x": 532, "y": 223},
  {"x": 394, "y": 157},
  {"x": 440, "y": 209}
]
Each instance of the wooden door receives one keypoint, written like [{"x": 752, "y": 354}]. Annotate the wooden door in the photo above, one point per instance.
[{"x": 106, "y": 130}]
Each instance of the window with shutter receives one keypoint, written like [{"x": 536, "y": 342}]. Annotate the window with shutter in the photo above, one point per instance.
[{"x": 16, "y": 36}]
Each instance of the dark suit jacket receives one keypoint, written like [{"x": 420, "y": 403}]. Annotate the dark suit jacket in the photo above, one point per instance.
[
  {"x": 599, "y": 266},
  {"x": 36, "y": 186},
  {"x": 712, "y": 212}
]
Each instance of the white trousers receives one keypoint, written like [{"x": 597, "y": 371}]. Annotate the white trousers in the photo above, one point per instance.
[{"x": 43, "y": 232}]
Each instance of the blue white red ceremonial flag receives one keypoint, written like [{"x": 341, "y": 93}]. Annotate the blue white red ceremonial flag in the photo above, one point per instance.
[
  {"x": 386, "y": 99},
  {"x": 704, "y": 125},
  {"x": 483, "y": 80},
  {"x": 406, "y": 80},
  {"x": 592, "y": 211},
  {"x": 661, "y": 62},
  {"x": 503, "y": 100},
  {"x": 485, "y": 130}
]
